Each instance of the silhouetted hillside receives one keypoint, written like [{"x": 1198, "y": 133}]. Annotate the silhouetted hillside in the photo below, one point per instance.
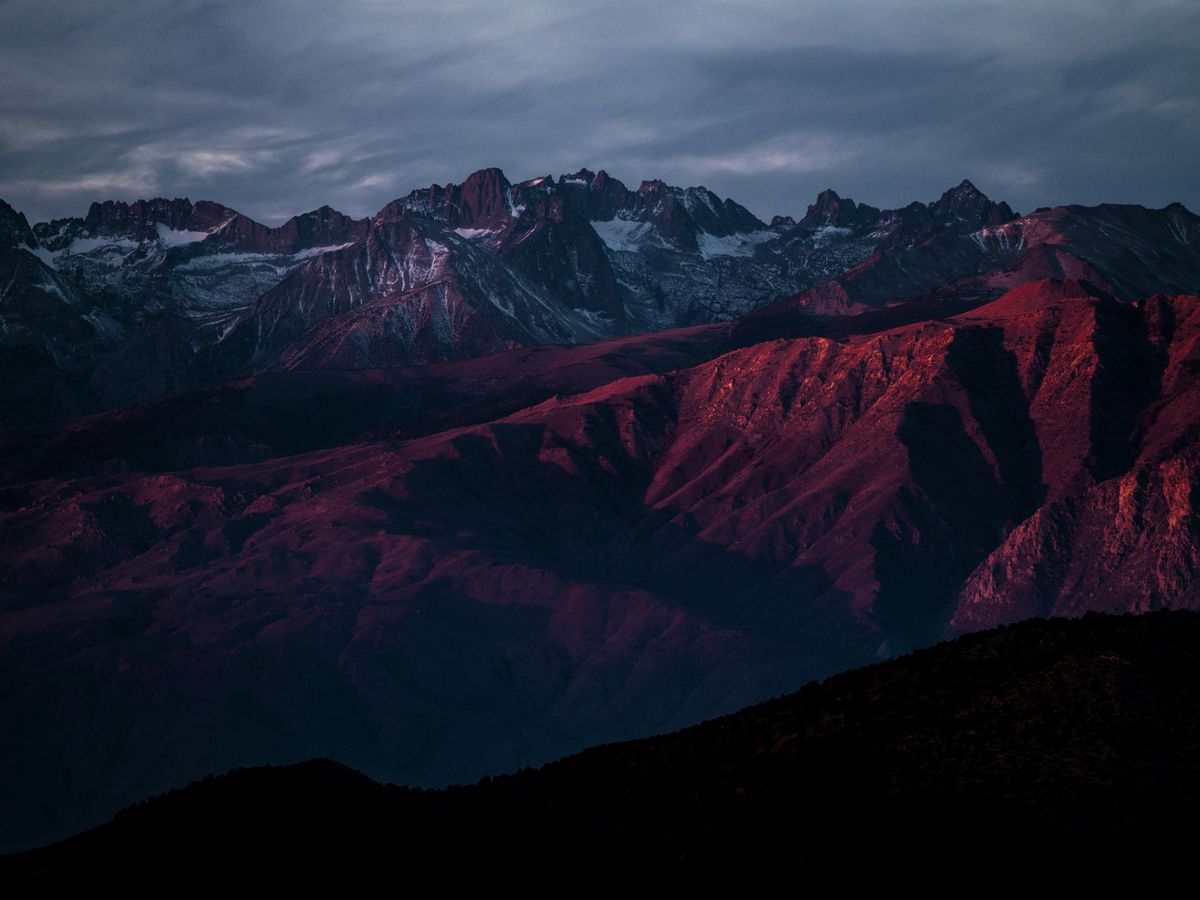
[{"x": 1047, "y": 750}]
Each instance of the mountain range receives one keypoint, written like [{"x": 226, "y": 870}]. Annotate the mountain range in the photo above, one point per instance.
[
  {"x": 509, "y": 470},
  {"x": 138, "y": 300}
]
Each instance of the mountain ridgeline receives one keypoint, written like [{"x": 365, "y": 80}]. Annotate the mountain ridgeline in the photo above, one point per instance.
[{"x": 138, "y": 300}]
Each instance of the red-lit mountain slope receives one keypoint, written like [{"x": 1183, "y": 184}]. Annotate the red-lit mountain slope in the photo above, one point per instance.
[{"x": 658, "y": 549}]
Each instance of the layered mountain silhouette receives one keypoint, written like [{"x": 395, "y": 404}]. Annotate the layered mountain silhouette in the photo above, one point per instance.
[
  {"x": 513, "y": 469},
  {"x": 1062, "y": 748}
]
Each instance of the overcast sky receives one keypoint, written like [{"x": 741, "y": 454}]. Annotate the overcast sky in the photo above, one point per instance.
[{"x": 278, "y": 106}]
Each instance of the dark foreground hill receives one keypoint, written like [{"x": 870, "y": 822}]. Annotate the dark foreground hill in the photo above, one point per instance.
[{"x": 1048, "y": 750}]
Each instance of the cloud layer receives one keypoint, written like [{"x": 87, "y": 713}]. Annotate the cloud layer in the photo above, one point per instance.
[{"x": 279, "y": 106}]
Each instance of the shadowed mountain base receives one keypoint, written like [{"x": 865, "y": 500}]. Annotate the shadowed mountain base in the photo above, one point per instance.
[{"x": 1061, "y": 749}]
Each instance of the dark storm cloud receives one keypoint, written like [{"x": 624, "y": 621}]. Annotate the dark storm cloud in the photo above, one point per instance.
[{"x": 278, "y": 106}]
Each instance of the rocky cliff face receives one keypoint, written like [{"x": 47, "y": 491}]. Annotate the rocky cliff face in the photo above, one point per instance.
[{"x": 1126, "y": 538}]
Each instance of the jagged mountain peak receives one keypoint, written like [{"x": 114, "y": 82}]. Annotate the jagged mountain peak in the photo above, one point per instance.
[
  {"x": 602, "y": 177},
  {"x": 324, "y": 215},
  {"x": 138, "y": 218},
  {"x": 323, "y": 227},
  {"x": 966, "y": 186},
  {"x": 583, "y": 176},
  {"x": 489, "y": 175},
  {"x": 324, "y": 211},
  {"x": 830, "y": 210},
  {"x": 965, "y": 201},
  {"x": 484, "y": 200},
  {"x": 14, "y": 227},
  {"x": 142, "y": 219},
  {"x": 652, "y": 185}
]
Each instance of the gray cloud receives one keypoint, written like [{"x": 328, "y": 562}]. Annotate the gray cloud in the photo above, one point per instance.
[{"x": 278, "y": 106}]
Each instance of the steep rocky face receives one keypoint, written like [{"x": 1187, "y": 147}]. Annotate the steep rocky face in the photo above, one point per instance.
[
  {"x": 484, "y": 201},
  {"x": 14, "y": 228},
  {"x": 567, "y": 237},
  {"x": 1130, "y": 539},
  {"x": 42, "y": 313},
  {"x": 966, "y": 203},
  {"x": 324, "y": 227},
  {"x": 657, "y": 549},
  {"x": 140, "y": 220},
  {"x": 399, "y": 296},
  {"x": 831, "y": 211},
  {"x": 644, "y": 259}
]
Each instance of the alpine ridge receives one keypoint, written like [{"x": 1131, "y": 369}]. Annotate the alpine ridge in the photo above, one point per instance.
[{"x": 145, "y": 299}]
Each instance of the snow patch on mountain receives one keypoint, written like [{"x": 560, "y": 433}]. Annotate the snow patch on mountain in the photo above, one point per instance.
[
  {"x": 1004, "y": 238},
  {"x": 44, "y": 255},
  {"x": 731, "y": 245},
  {"x": 317, "y": 251},
  {"x": 829, "y": 233},
  {"x": 622, "y": 235},
  {"x": 514, "y": 209},
  {"x": 280, "y": 261},
  {"x": 169, "y": 237},
  {"x": 221, "y": 260},
  {"x": 81, "y": 246},
  {"x": 695, "y": 198}
]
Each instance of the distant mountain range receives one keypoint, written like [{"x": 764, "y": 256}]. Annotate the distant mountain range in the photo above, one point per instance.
[
  {"x": 513, "y": 469},
  {"x": 139, "y": 300}
]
